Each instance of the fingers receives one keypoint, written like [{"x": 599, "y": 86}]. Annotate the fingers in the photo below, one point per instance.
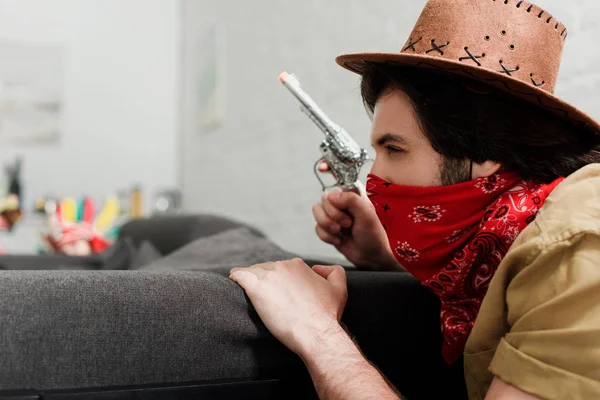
[
  {"x": 337, "y": 278},
  {"x": 324, "y": 220},
  {"x": 246, "y": 279},
  {"x": 264, "y": 269},
  {"x": 324, "y": 167},
  {"x": 328, "y": 237},
  {"x": 335, "y": 274},
  {"x": 357, "y": 206},
  {"x": 330, "y": 217},
  {"x": 258, "y": 270},
  {"x": 324, "y": 270},
  {"x": 336, "y": 214}
]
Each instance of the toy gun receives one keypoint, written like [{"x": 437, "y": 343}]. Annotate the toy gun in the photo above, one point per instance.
[{"x": 343, "y": 155}]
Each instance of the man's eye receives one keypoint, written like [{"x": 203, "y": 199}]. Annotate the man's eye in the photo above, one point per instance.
[{"x": 392, "y": 150}]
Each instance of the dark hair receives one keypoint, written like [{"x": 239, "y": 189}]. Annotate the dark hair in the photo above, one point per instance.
[{"x": 467, "y": 120}]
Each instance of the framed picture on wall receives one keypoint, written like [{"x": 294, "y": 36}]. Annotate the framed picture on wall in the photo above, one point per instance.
[{"x": 31, "y": 92}]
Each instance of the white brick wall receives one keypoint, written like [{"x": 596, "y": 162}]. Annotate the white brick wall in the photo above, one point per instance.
[{"x": 258, "y": 166}]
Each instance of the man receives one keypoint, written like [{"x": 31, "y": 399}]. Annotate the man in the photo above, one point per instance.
[{"x": 485, "y": 188}]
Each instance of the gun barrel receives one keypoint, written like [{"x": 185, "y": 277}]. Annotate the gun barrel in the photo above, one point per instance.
[
  {"x": 309, "y": 106},
  {"x": 338, "y": 141}
]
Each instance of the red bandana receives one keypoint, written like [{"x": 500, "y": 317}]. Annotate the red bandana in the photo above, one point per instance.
[{"x": 453, "y": 238}]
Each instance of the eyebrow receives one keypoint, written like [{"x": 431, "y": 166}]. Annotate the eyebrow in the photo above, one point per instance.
[{"x": 391, "y": 137}]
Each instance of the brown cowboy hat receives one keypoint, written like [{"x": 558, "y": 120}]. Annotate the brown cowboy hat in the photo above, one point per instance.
[{"x": 512, "y": 45}]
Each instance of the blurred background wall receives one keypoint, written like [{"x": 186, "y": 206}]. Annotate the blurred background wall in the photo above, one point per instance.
[
  {"x": 121, "y": 85},
  {"x": 133, "y": 99},
  {"x": 258, "y": 165}
]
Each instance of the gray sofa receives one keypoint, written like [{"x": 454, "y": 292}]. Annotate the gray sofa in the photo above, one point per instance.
[{"x": 77, "y": 329}]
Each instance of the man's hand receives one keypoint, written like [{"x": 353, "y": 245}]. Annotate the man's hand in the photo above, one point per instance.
[
  {"x": 302, "y": 308},
  {"x": 296, "y": 303},
  {"x": 367, "y": 246}
]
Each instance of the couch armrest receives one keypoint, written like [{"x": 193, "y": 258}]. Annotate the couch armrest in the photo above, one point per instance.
[
  {"x": 48, "y": 262},
  {"x": 82, "y": 329}
]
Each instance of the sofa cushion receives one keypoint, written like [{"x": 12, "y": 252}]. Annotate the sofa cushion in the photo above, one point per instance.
[
  {"x": 169, "y": 233},
  {"x": 239, "y": 247}
]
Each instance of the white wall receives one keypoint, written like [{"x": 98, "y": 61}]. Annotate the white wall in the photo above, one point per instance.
[
  {"x": 122, "y": 82},
  {"x": 258, "y": 166}
]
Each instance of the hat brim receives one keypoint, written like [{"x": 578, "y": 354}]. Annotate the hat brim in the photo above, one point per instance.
[{"x": 357, "y": 63}]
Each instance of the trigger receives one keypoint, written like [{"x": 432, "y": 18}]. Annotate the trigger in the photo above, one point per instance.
[
  {"x": 318, "y": 173},
  {"x": 322, "y": 160}
]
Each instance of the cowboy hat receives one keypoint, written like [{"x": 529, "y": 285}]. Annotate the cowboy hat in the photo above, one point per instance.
[{"x": 512, "y": 45}]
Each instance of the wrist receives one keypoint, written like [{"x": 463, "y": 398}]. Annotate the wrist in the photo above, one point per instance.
[
  {"x": 314, "y": 345},
  {"x": 392, "y": 264},
  {"x": 383, "y": 261}
]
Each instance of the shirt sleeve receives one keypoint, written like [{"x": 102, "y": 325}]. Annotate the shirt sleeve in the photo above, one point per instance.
[{"x": 552, "y": 349}]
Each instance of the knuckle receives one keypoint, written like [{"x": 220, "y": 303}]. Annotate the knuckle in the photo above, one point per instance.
[
  {"x": 278, "y": 266},
  {"x": 323, "y": 216},
  {"x": 334, "y": 229},
  {"x": 269, "y": 275},
  {"x": 352, "y": 198},
  {"x": 332, "y": 211},
  {"x": 324, "y": 235},
  {"x": 297, "y": 261},
  {"x": 324, "y": 223},
  {"x": 323, "y": 220}
]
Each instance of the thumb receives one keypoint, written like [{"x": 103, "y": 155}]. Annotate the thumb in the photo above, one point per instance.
[{"x": 335, "y": 274}]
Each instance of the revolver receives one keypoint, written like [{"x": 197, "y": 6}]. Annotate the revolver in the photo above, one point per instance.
[{"x": 343, "y": 155}]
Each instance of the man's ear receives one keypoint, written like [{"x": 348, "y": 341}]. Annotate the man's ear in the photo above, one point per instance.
[{"x": 485, "y": 169}]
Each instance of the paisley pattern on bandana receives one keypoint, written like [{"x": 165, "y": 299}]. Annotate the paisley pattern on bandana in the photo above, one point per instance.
[
  {"x": 427, "y": 214},
  {"x": 454, "y": 237}
]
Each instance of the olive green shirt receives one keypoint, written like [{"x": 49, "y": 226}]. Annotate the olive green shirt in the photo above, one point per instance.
[{"x": 538, "y": 328}]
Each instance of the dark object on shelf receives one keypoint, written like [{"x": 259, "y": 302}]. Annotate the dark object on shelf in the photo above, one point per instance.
[{"x": 13, "y": 173}]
